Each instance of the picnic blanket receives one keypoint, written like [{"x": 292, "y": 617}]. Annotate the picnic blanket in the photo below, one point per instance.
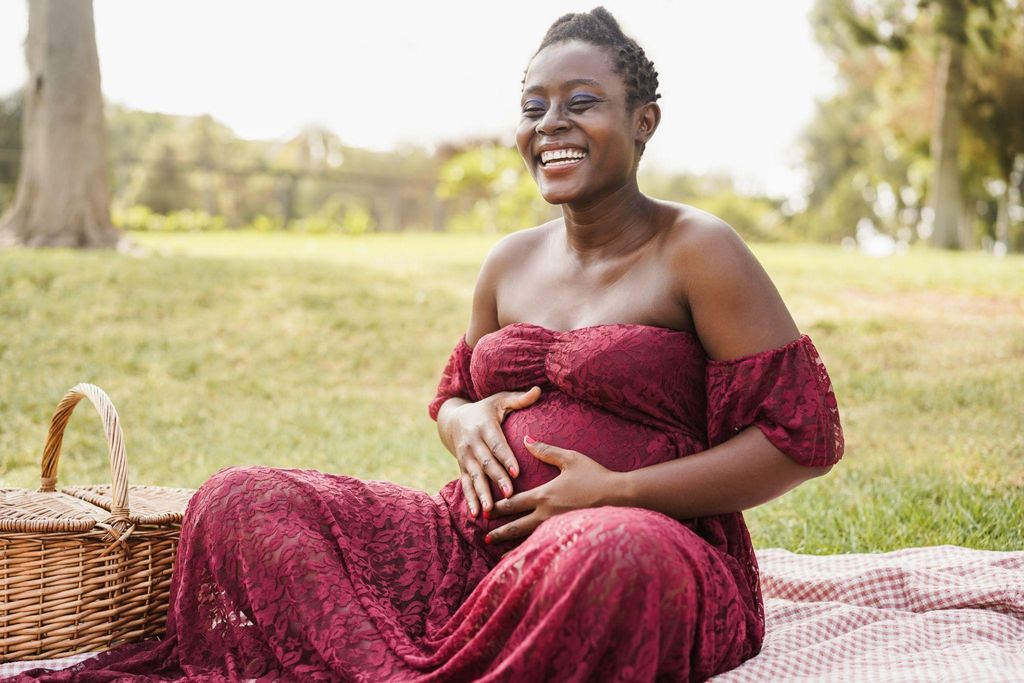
[{"x": 941, "y": 613}]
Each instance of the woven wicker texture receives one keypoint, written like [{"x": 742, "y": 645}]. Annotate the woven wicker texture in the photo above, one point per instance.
[
  {"x": 22, "y": 509},
  {"x": 150, "y": 504},
  {"x": 87, "y": 567}
]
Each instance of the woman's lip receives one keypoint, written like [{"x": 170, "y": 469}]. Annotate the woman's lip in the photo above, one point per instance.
[{"x": 558, "y": 168}]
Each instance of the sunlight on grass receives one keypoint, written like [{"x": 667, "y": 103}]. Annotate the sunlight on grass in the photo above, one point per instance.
[{"x": 323, "y": 352}]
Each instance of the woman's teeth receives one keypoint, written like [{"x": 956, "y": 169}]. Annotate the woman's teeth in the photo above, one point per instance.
[{"x": 561, "y": 157}]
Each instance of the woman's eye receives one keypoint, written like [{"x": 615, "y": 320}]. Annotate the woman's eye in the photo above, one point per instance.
[
  {"x": 532, "y": 109},
  {"x": 581, "y": 102}
]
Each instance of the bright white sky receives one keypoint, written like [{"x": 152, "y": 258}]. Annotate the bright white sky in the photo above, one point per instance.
[{"x": 738, "y": 77}]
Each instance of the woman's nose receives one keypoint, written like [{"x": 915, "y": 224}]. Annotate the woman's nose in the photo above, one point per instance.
[{"x": 553, "y": 121}]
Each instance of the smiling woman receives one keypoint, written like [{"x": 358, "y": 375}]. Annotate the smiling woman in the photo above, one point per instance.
[
  {"x": 629, "y": 382},
  {"x": 580, "y": 107}
]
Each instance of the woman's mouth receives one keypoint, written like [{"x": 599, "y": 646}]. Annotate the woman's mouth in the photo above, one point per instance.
[{"x": 559, "y": 158}]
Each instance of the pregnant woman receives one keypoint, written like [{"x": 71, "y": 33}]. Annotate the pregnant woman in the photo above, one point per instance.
[{"x": 629, "y": 381}]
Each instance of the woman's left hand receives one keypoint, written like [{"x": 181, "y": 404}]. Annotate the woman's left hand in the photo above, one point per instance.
[{"x": 583, "y": 483}]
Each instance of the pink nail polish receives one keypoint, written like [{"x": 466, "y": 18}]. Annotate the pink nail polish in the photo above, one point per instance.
[
  {"x": 487, "y": 513},
  {"x": 487, "y": 539},
  {"x": 528, "y": 440}
]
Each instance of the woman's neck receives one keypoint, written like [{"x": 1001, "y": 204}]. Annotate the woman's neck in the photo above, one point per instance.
[{"x": 610, "y": 227}]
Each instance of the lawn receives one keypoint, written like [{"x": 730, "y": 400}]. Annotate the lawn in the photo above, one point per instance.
[{"x": 323, "y": 352}]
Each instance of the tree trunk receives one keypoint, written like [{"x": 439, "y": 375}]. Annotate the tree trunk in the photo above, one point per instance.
[
  {"x": 1003, "y": 214},
  {"x": 966, "y": 232},
  {"x": 63, "y": 191},
  {"x": 945, "y": 200}
]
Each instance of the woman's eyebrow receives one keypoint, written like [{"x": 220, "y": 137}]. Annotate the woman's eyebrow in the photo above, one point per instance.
[{"x": 567, "y": 84}]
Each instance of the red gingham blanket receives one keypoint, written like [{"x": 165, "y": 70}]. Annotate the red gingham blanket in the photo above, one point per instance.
[{"x": 941, "y": 613}]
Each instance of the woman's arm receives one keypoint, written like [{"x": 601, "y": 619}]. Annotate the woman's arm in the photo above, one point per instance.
[
  {"x": 471, "y": 430},
  {"x": 741, "y": 473},
  {"x": 737, "y": 312}
]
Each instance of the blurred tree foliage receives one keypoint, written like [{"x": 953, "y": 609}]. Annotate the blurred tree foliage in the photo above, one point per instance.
[
  {"x": 490, "y": 189},
  {"x": 175, "y": 173},
  {"x": 870, "y": 151},
  {"x": 193, "y": 173},
  {"x": 11, "y": 108},
  {"x": 760, "y": 218}
]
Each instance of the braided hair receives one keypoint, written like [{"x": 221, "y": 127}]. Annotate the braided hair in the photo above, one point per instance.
[{"x": 599, "y": 27}]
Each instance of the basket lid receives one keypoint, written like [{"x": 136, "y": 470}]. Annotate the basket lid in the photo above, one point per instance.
[
  {"x": 25, "y": 510},
  {"x": 147, "y": 504}
]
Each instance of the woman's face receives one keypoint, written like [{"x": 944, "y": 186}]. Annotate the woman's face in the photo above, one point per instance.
[{"x": 576, "y": 135}]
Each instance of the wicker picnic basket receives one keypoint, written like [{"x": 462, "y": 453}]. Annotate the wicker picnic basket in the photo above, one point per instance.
[{"x": 87, "y": 567}]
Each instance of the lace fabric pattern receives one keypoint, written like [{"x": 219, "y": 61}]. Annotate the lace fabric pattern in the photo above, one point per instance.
[
  {"x": 786, "y": 392},
  {"x": 301, "y": 575}
]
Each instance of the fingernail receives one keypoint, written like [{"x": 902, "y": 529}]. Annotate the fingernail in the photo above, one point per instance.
[
  {"x": 487, "y": 539},
  {"x": 514, "y": 472},
  {"x": 529, "y": 440},
  {"x": 487, "y": 513}
]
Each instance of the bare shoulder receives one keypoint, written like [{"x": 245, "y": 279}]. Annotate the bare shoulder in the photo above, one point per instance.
[
  {"x": 699, "y": 241},
  {"x": 507, "y": 254},
  {"x": 511, "y": 251},
  {"x": 517, "y": 245},
  {"x": 735, "y": 306}
]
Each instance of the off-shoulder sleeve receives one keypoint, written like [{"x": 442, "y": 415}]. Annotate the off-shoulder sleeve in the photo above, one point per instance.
[
  {"x": 786, "y": 392},
  {"x": 455, "y": 380}
]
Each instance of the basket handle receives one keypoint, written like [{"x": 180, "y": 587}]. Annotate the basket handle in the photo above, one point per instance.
[{"x": 115, "y": 445}]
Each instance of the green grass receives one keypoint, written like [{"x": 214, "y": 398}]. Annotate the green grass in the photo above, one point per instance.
[{"x": 323, "y": 352}]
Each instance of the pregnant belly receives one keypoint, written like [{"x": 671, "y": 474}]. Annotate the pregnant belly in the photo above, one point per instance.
[{"x": 561, "y": 420}]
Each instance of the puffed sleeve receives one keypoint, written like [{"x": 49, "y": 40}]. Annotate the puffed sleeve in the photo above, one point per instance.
[
  {"x": 786, "y": 392},
  {"x": 455, "y": 380}
]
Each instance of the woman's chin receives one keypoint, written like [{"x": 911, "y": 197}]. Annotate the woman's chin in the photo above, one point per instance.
[{"x": 559, "y": 195}]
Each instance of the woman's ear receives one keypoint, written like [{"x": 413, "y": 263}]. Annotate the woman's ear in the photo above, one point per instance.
[{"x": 648, "y": 116}]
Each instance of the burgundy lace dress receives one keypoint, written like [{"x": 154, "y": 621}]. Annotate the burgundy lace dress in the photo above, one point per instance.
[{"x": 300, "y": 575}]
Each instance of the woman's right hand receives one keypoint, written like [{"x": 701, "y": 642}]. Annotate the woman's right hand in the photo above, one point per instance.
[{"x": 472, "y": 432}]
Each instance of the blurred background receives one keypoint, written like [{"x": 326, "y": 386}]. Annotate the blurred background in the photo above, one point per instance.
[
  {"x": 796, "y": 121},
  {"x": 303, "y": 193}
]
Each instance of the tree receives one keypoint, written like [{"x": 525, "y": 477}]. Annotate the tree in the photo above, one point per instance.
[
  {"x": 949, "y": 77},
  {"x": 164, "y": 185},
  {"x": 866, "y": 142},
  {"x": 62, "y": 198},
  {"x": 994, "y": 112},
  {"x": 903, "y": 64}
]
